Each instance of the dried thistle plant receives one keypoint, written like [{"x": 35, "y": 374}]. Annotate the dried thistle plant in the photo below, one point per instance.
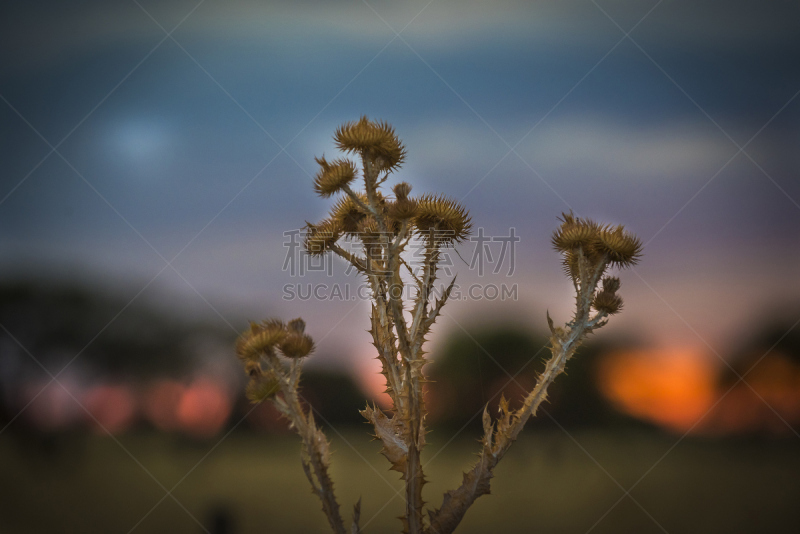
[{"x": 383, "y": 226}]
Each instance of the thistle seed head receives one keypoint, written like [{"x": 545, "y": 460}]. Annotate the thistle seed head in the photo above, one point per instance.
[
  {"x": 259, "y": 340},
  {"x": 606, "y": 245},
  {"x": 262, "y": 387},
  {"x": 296, "y": 326},
  {"x": 622, "y": 248},
  {"x": 297, "y": 345},
  {"x": 442, "y": 218},
  {"x": 376, "y": 141},
  {"x": 608, "y": 302},
  {"x": 333, "y": 176},
  {"x": 402, "y": 209},
  {"x": 611, "y": 284},
  {"x": 348, "y": 214},
  {"x": 401, "y": 190},
  {"x": 574, "y": 232},
  {"x": 321, "y": 237}
]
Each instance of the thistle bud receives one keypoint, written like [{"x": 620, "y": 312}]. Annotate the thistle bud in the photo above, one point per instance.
[
  {"x": 611, "y": 284},
  {"x": 402, "y": 190},
  {"x": 296, "y": 326},
  {"x": 321, "y": 237},
  {"x": 297, "y": 345},
  {"x": 608, "y": 302},
  {"x": 263, "y": 387}
]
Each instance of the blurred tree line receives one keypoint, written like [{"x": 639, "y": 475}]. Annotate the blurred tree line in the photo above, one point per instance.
[
  {"x": 110, "y": 338},
  {"x": 476, "y": 367}
]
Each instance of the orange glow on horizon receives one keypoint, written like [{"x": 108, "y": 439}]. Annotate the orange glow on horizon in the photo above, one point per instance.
[
  {"x": 672, "y": 388},
  {"x": 767, "y": 400},
  {"x": 199, "y": 409},
  {"x": 374, "y": 383}
]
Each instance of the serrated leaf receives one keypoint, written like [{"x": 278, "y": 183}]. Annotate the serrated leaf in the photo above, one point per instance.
[
  {"x": 488, "y": 428},
  {"x": 389, "y": 432}
]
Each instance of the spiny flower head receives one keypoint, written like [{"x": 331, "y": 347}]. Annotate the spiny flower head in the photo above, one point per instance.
[
  {"x": 574, "y": 232},
  {"x": 262, "y": 386},
  {"x": 271, "y": 335},
  {"x": 348, "y": 213},
  {"x": 402, "y": 190},
  {"x": 443, "y": 218},
  {"x": 583, "y": 237},
  {"x": 375, "y": 141},
  {"x": 622, "y": 248},
  {"x": 607, "y": 300},
  {"x": 333, "y": 176},
  {"x": 402, "y": 209},
  {"x": 260, "y": 340},
  {"x": 321, "y": 237},
  {"x": 296, "y": 344}
]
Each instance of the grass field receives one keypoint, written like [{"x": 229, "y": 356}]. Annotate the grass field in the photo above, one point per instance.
[{"x": 549, "y": 483}]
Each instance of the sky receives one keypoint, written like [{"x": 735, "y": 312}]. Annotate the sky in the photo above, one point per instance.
[{"x": 165, "y": 150}]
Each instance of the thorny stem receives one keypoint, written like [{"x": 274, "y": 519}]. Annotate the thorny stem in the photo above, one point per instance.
[
  {"x": 315, "y": 453},
  {"x": 496, "y": 443},
  {"x": 409, "y": 405},
  {"x": 400, "y": 344}
]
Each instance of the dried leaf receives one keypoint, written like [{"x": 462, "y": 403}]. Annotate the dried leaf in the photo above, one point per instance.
[{"x": 389, "y": 432}]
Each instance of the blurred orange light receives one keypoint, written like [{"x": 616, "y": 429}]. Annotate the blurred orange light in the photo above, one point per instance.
[
  {"x": 767, "y": 399},
  {"x": 203, "y": 408},
  {"x": 672, "y": 388}
]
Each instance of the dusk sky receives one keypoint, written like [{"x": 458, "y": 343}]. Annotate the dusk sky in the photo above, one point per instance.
[{"x": 165, "y": 149}]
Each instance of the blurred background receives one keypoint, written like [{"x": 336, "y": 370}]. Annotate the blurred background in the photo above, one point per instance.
[{"x": 156, "y": 167}]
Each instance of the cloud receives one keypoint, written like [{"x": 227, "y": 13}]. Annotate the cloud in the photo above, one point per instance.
[
  {"x": 45, "y": 34},
  {"x": 627, "y": 150},
  {"x": 598, "y": 144}
]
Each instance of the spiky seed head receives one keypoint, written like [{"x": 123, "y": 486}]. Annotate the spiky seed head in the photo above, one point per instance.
[
  {"x": 321, "y": 237},
  {"x": 374, "y": 140},
  {"x": 442, "y": 218},
  {"x": 252, "y": 368},
  {"x": 272, "y": 323},
  {"x": 297, "y": 345},
  {"x": 608, "y": 302},
  {"x": 296, "y": 326},
  {"x": 401, "y": 190},
  {"x": 569, "y": 237},
  {"x": 348, "y": 214},
  {"x": 611, "y": 284},
  {"x": 262, "y": 387},
  {"x": 368, "y": 230},
  {"x": 402, "y": 209},
  {"x": 259, "y": 340},
  {"x": 622, "y": 248},
  {"x": 333, "y": 176},
  {"x": 570, "y": 265}
]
